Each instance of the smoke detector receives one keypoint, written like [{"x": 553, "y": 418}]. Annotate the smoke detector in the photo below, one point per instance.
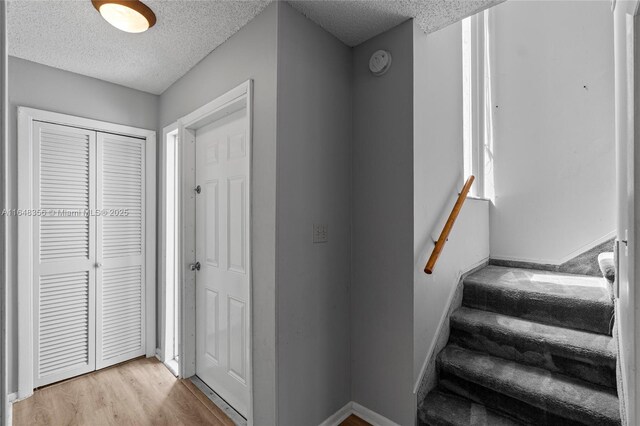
[{"x": 380, "y": 62}]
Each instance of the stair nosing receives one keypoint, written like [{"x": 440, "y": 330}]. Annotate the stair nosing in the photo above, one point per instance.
[
  {"x": 533, "y": 293},
  {"x": 459, "y": 399},
  {"x": 475, "y": 279},
  {"x": 518, "y": 390},
  {"x": 602, "y": 351}
]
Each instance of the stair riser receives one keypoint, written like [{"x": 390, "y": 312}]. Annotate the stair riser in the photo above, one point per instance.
[
  {"x": 571, "y": 313},
  {"x": 447, "y": 409},
  {"x": 504, "y": 396},
  {"x": 521, "y": 411},
  {"x": 435, "y": 422},
  {"x": 584, "y": 366}
]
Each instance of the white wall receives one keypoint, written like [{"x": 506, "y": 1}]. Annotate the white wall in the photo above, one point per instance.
[
  {"x": 248, "y": 54},
  {"x": 437, "y": 165},
  {"x": 554, "y": 139},
  {"x": 38, "y": 86},
  {"x": 382, "y": 229},
  {"x": 313, "y": 186}
]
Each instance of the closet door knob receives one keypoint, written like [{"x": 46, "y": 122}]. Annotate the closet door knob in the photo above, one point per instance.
[
  {"x": 195, "y": 266},
  {"x": 98, "y": 265}
]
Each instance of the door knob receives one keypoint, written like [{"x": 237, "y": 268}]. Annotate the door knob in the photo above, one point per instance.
[
  {"x": 98, "y": 265},
  {"x": 195, "y": 266}
]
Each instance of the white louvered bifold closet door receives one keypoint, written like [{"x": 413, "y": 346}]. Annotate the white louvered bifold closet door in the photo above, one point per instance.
[
  {"x": 120, "y": 331},
  {"x": 64, "y": 252}
]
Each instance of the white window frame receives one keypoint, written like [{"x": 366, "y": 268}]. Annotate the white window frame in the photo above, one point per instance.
[
  {"x": 477, "y": 98},
  {"x": 472, "y": 99},
  {"x": 26, "y": 117}
]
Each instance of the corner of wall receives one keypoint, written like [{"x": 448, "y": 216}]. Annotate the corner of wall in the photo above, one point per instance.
[
  {"x": 382, "y": 236},
  {"x": 314, "y": 131}
]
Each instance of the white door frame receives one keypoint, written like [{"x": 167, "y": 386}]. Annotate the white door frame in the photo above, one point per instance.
[
  {"x": 232, "y": 101},
  {"x": 166, "y": 325},
  {"x": 5, "y": 409},
  {"x": 26, "y": 117},
  {"x": 627, "y": 57}
]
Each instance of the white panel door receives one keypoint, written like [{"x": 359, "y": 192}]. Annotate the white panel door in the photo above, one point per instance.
[
  {"x": 120, "y": 276},
  {"x": 64, "y": 252},
  {"x": 222, "y": 248}
]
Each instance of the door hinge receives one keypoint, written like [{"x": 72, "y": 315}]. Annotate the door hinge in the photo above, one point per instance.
[{"x": 198, "y": 189}]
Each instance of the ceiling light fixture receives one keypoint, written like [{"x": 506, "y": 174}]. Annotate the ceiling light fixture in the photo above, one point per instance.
[{"x": 131, "y": 16}]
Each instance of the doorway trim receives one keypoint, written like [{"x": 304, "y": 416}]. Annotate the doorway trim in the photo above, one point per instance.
[
  {"x": 5, "y": 408},
  {"x": 26, "y": 117},
  {"x": 234, "y": 100},
  {"x": 627, "y": 63},
  {"x": 167, "y": 325}
]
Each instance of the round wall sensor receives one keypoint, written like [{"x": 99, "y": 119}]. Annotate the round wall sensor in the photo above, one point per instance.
[{"x": 380, "y": 62}]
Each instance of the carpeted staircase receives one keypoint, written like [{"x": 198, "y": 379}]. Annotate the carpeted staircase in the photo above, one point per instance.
[{"x": 527, "y": 347}]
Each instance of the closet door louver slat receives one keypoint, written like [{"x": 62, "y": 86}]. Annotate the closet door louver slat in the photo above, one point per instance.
[
  {"x": 88, "y": 250},
  {"x": 64, "y": 258},
  {"x": 120, "y": 280}
]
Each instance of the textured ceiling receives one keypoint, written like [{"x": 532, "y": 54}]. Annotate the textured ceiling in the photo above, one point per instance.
[
  {"x": 71, "y": 35},
  {"x": 355, "y": 21}
]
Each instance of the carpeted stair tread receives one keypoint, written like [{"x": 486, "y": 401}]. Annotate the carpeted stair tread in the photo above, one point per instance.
[
  {"x": 444, "y": 409},
  {"x": 570, "y": 398},
  {"x": 585, "y": 355},
  {"x": 573, "y": 301},
  {"x": 498, "y": 402},
  {"x": 583, "y": 343}
]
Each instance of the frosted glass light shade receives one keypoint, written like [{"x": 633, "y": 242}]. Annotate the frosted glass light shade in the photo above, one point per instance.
[{"x": 131, "y": 16}]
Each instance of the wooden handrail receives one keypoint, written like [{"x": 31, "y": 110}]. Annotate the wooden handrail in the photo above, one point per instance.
[{"x": 444, "y": 235}]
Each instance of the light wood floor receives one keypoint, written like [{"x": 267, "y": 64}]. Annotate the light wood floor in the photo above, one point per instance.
[
  {"x": 354, "y": 420},
  {"x": 139, "y": 392}
]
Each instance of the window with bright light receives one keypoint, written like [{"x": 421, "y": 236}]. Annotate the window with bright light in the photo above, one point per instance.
[
  {"x": 172, "y": 289},
  {"x": 476, "y": 103}
]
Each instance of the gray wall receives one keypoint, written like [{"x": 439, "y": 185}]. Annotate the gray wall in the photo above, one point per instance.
[
  {"x": 340, "y": 312},
  {"x": 382, "y": 229},
  {"x": 38, "y": 86},
  {"x": 249, "y": 54},
  {"x": 313, "y": 186}
]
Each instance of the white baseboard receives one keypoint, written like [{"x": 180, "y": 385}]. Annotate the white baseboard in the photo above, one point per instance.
[
  {"x": 558, "y": 262},
  {"x": 434, "y": 340},
  {"x": 339, "y": 416},
  {"x": 9, "y": 415},
  {"x": 173, "y": 366},
  {"x": 371, "y": 416},
  {"x": 363, "y": 412},
  {"x": 585, "y": 248},
  {"x": 443, "y": 321},
  {"x": 11, "y": 398}
]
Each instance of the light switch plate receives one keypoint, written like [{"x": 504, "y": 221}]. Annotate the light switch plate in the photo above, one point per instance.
[{"x": 320, "y": 233}]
